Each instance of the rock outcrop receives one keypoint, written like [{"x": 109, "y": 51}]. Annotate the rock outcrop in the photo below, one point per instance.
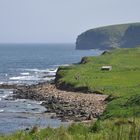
[{"x": 109, "y": 37}]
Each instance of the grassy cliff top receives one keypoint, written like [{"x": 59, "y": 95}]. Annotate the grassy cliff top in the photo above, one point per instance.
[
  {"x": 114, "y": 28},
  {"x": 122, "y": 83}
]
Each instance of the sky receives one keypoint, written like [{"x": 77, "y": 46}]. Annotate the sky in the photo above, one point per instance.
[{"x": 60, "y": 21}]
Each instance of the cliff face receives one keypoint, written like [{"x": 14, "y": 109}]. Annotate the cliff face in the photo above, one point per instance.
[{"x": 125, "y": 35}]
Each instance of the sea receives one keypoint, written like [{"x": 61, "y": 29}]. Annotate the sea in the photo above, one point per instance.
[{"x": 27, "y": 64}]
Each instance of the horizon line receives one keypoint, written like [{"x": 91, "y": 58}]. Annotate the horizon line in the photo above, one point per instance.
[{"x": 36, "y": 43}]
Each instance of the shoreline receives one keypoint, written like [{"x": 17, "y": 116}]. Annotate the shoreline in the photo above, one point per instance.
[{"x": 65, "y": 105}]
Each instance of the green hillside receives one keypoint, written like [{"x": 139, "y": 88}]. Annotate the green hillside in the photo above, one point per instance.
[
  {"x": 122, "y": 83},
  {"x": 108, "y": 37}
]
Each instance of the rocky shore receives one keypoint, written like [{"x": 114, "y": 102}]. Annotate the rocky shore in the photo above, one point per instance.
[{"x": 65, "y": 105}]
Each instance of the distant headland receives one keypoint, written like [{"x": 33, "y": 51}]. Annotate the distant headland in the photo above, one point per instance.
[{"x": 109, "y": 37}]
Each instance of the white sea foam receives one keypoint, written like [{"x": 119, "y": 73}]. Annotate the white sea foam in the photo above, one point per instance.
[
  {"x": 36, "y": 70},
  {"x": 30, "y": 76},
  {"x": 39, "y": 102},
  {"x": 51, "y": 75},
  {"x": 4, "y": 96},
  {"x": 10, "y": 92},
  {"x": 24, "y": 78},
  {"x": 62, "y": 65},
  {"x": 41, "y": 70},
  {"x": 29, "y": 102},
  {"x": 21, "y": 100},
  {"x": 25, "y": 73},
  {"x": 49, "y": 78},
  {"x": 13, "y": 82},
  {"x": 1, "y": 83},
  {"x": 46, "y": 75},
  {"x": 53, "y": 70},
  {"x": 1, "y": 110},
  {"x": 66, "y": 65}
]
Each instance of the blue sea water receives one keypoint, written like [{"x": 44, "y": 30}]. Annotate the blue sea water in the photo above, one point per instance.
[
  {"x": 29, "y": 64},
  {"x": 21, "y": 63}
]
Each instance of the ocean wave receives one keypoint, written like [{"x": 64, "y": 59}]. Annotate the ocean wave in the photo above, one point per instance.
[
  {"x": 5, "y": 93},
  {"x": 21, "y": 100},
  {"x": 10, "y": 92},
  {"x": 66, "y": 65},
  {"x": 13, "y": 82},
  {"x": 48, "y": 78},
  {"x": 1, "y": 110},
  {"x": 37, "y": 70},
  {"x": 4, "y": 96},
  {"x": 31, "y": 76},
  {"x": 42, "y": 70},
  {"x": 2, "y": 83},
  {"x": 61, "y": 65},
  {"x": 39, "y": 102},
  {"x": 24, "y": 78},
  {"x": 25, "y": 73},
  {"x": 30, "y": 102}
]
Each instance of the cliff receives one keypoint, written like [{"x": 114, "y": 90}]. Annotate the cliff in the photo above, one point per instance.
[{"x": 108, "y": 37}]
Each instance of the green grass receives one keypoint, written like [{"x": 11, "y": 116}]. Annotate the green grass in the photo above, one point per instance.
[
  {"x": 123, "y": 82},
  {"x": 115, "y": 129}
]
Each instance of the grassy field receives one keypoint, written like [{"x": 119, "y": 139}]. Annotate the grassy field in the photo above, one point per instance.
[
  {"x": 115, "y": 129},
  {"x": 122, "y": 83},
  {"x": 121, "y": 120}
]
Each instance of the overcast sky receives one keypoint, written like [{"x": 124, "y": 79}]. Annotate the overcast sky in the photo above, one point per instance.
[{"x": 56, "y": 21}]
